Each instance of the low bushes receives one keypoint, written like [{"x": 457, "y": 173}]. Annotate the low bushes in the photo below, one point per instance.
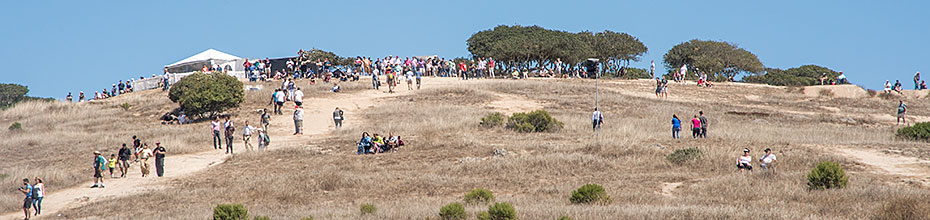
[
  {"x": 453, "y": 211},
  {"x": 479, "y": 195},
  {"x": 681, "y": 156},
  {"x": 261, "y": 218},
  {"x": 16, "y": 126},
  {"x": 368, "y": 208},
  {"x": 919, "y": 131},
  {"x": 493, "y": 120},
  {"x": 502, "y": 211},
  {"x": 230, "y": 212},
  {"x": 827, "y": 175},
  {"x": 535, "y": 121},
  {"x": 590, "y": 194}
]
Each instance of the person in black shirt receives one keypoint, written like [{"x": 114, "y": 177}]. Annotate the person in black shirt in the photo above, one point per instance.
[
  {"x": 159, "y": 159},
  {"x": 124, "y": 156}
]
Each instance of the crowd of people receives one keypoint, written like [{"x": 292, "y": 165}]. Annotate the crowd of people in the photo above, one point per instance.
[
  {"x": 898, "y": 87},
  {"x": 698, "y": 126},
  {"x": 376, "y": 144}
]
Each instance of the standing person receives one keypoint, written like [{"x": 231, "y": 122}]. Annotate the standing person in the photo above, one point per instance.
[
  {"x": 144, "y": 155},
  {"x": 247, "y": 131},
  {"x": 597, "y": 119},
  {"x": 409, "y": 76},
  {"x": 100, "y": 164},
  {"x": 917, "y": 81},
  {"x": 490, "y": 70},
  {"x": 69, "y": 97},
  {"x": 217, "y": 141},
  {"x": 230, "y": 133},
  {"x": 263, "y": 139},
  {"x": 136, "y": 147},
  {"x": 166, "y": 84},
  {"x": 124, "y": 155},
  {"x": 298, "y": 120},
  {"x": 418, "y": 76},
  {"x": 703, "y": 124},
  {"x": 39, "y": 194},
  {"x": 266, "y": 119},
  {"x": 299, "y": 97},
  {"x": 375, "y": 83},
  {"x": 676, "y": 127},
  {"x": 695, "y": 127},
  {"x": 81, "y": 97},
  {"x": 160, "y": 159},
  {"x": 27, "y": 191},
  {"x": 744, "y": 162},
  {"x": 337, "y": 117},
  {"x": 768, "y": 160},
  {"x": 112, "y": 164},
  {"x": 279, "y": 99},
  {"x": 902, "y": 112},
  {"x": 652, "y": 70}
]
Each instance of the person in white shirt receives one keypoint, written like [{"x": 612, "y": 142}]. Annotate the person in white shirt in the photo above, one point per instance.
[
  {"x": 298, "y": 120},
  {"x": 299, "y": 97},
  {"x": 39, "y": 189},
  {"x": 597, "y": 119},
  {"x": 768, "y": 160},
  {"x": 887, "y": 86},
  {"x": 744, "y": 162},
  {"x": 247, "y": 131}
]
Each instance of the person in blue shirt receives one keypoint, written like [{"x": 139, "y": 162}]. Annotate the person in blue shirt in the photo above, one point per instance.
[
  {"x": 100, "y": 164},
  {"x": 676, "y": 126},
  {"x": 27, "y": 202},
  {"x": 418, "y": 73},
  {"x": 364, "y": 144}
]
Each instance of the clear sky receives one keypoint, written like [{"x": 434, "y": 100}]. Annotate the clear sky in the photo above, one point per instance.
[{"x": 56, "y": 47}]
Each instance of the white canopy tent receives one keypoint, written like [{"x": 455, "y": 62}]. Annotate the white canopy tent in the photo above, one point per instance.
[{"x": 209, "y": 57}]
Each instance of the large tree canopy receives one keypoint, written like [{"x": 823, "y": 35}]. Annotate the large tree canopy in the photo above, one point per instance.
[
  {"x": 534, "y": 46},
  {"x": 798, "y": 76},
  {"x": 210, "y": 93},
  {"x": 721, "y": 60},
  {"x": 11, "y": 94}
]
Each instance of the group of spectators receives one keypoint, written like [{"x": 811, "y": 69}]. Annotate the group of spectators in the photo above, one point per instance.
[
  {"x": 698, "y": 126},
  {"x": 117, "y": 89},
  {"x": 897, "y": 87},
  {"x": 378, "y": 144}
]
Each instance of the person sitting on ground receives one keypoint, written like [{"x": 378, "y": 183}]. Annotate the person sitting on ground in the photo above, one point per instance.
[
  {"x": 364, "y": 144},
  {"x": 887, "y": 86},
  {"x": 923, "y": 85},
  {"x": 391, "y": 143},
  {"x": 744, "y": 162},
  {"x": 897, "y": 87},
  {"x": 336, "y": 87},
  {"x": 768, "y": 160},
  {"x": 377, "y": 143}
]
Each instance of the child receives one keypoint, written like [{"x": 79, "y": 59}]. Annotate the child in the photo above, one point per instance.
[{"x": 112, "y": 164}]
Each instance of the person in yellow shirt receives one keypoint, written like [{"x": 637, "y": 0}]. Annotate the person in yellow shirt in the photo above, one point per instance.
[{"x": 112, "y": 164}]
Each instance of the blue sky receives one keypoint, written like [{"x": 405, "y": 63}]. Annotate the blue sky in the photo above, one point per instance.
[{"x": 56, "y": 47}]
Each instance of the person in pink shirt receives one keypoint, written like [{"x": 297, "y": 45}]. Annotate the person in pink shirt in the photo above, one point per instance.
[{"x": 695, "y": 127}]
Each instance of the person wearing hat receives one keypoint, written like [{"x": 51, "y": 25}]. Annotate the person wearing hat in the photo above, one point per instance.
[
  {"x": 100, "y": 164},
  {"x": 768, "y": 160},
  {"x": 744, "y": 162},
  {"x": 159, "y": 159},
  {"x": 298, "y": 120},
  {"x": 144, "y": 155}
]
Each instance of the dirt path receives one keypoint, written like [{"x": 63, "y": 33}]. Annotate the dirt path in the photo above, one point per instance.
[
  {"x": 317, "y": 121},
  {"x": 897, "y": 165},
  {"x": 509, "y": 104}
]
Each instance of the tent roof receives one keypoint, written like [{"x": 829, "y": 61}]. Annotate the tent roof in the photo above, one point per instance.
[{"x": 210, "y": 54}]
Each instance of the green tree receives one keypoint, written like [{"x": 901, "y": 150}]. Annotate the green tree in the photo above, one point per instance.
[
  {"x": 806, "y": 75},
  {"x": 827, "y": 175},
  {"x": 230, "y": 212},
  {"x": 720, "y": 60},
  {"x": 201, "y": 93},
  {"x": 11, "y": 94}
]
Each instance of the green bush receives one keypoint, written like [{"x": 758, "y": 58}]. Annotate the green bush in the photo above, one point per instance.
[
  {"x": 536, "y": 121},
  {"x": 502, "y": 211},
  {"x": 919, "y": 131},
  {"x": 368, "y": 208},
  {"x": 16, "y": 126},
  {"x": 261, "y": 218},
  {"x": 565, "y": 218},
  {"x": 125, "y": 106},
  {"x": 211, "y": 93},
  {"x": 681, "y": 156},
  {"x": 453, "y": 211},
  {"x": 484, "y": 215},
  {"x": 230, "y": 212},
  {"x": 479, "y": 195},
  {"x": 806, "y": 75},
  {"x": 493, "y": 120},
  {"x": 590, "y": 194},
  {"x": 826, "y": 175}
]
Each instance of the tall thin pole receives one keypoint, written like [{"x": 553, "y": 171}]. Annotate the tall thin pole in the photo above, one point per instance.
[{"x": 597, "y": 134}]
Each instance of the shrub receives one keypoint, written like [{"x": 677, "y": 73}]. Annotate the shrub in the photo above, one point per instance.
[
  {"x": 125, "y": 106},
  {"x": 590, "y": 193},
  {"x": 493, "y": 120},
  {"x": 453, "y": 211},
  {"x": 918, "y": 131},
  {"x": 261, "y": 218},
  {"x": 484, "y": 215},
  {"x": 535, "y": 121},
  {"x": 230, "y": 212},
  {"x": 16, "y": 126},
  {"x": 479, "y": 195},
  {"x": 826, "y": 175},
  {"x": 904, "y": 208},
  {"x": 368, "y": 208},
  {"x": 871, "y": 93},
  {"x": 681, "y": 156},
  {"x": 806, "y": 75},
  {"x": 307, "y": 218},
  {"x": 502, "y": 211},
  {"x": 201, "y": 93},
  {"x": 565, "y": 218}
]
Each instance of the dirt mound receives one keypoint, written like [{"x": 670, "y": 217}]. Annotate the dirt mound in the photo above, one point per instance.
[{"x": 838, "y": 91}]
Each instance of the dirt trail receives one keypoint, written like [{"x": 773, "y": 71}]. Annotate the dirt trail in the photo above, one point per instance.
[
  {"x": 317, "y": 121},
  {"x": 897, "y": 165},
  {"x": 509, "y": 104}
]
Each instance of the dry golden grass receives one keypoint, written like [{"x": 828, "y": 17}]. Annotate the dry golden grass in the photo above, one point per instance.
[{"x": 448, "y": 154}]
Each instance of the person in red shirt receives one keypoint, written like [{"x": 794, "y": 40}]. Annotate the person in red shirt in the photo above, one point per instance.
[
  {"x": 247, "y": 66},
  {"x": 463, "y": 70},
  {"x": 491, "y": 66}
]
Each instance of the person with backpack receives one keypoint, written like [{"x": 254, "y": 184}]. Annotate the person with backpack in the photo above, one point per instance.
[
  {"x": 124, "y": 155},
  {"x": 230, "y": 133},
  {"x": 338, "y": 117},
  {"x": 902, "y": 112},
  {"x": 100, "y": 164}
]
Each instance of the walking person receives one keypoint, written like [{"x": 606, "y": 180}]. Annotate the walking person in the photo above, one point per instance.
[
  {"x": 160, "y": 159},
  {"x": 247, "y": 131},
  {"x": 27, "y": 191},
  {"x": 217, "y": 141},
  {"x": 703, "y": 124},
  {"x": 338, "y": 117},
  {"x": 38, "y": 194},
  {"x": 266, "y": 119},
  {"x": 597, "y": 119},
  {"x": 676, "y": 127},
  {"x": 111, "y": 164},
  {"x": 902, "y": 112},
  {"x": 263, "y": 139},
  {"x": 124, "y": 156},
  {"x": 695, "y": 127},
  {"x": 144, "y": 155},
  {"x": 100, "y": 164},
  {"x": 230, "y": 134},
  {"x": 299, "y": 97},
  {"x": 298, "y": 120}
]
